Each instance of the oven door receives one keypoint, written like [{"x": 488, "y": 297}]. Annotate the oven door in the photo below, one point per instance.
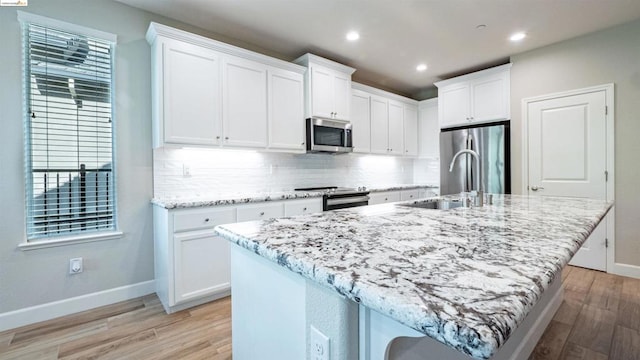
[{"x": 328, "y": 136}]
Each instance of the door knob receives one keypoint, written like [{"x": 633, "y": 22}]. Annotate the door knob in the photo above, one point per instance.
[{"x": 536, "y": 188}]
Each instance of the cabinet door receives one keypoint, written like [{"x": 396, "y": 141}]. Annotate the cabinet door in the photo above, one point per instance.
[
  {"x": 322, "y": 92},
  {"x": 379, "y": 125},
  {"x": 191, "y": 99},
  {"x": 361, "y": 121},
  {"x": 453, "y": 105},
  {"x": 341, "y": 96},
  {"x": 202, "y": 265},
  {"x": 489, "y": 98},
  {"x": 429, "y": 129},
  {"x": 411, "y": 130},
  {"x": 286, "y": 110},
  {"x": 396, "y": 128},
  {"x": 245, "y": 103}
]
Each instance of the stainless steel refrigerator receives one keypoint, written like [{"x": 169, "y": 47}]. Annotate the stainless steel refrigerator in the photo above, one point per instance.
[{"x": 492, "y": 143}]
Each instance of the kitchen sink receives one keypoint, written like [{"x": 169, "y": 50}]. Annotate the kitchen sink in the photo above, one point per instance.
[{"x": 436, "y": 203}]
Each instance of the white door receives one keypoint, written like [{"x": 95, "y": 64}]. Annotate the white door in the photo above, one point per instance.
[
  {"x": 567, "y": 157},
  {"x": 322, "y": 92},
  {"x": 379, "y": 125},
  {"x": 361, "y": 121},
  {"x": 341, "y": 96},
  {"x": 191, "y": 94},
  {"x": 396, "y": 128},
  {"x": 410, "y": 130},
  {"x": 244, "y": 114},
  {"x": 286, "y": 110}
]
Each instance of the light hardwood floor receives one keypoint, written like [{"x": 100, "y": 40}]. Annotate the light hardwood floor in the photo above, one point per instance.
[{"x": 599, "y": 320}]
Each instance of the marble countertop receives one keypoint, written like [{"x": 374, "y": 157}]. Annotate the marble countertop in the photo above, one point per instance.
[
  {"x": 466, "y": 277},
  {"x": 243, "y": 198}
]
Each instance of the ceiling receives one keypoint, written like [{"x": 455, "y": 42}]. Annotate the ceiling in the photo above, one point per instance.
[{"x": 397, "y": 35}]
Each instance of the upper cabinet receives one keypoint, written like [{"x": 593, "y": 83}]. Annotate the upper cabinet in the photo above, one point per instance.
[
  {"x": 327, "y": 87},
  {"x": 475, "y": 98},
  {"x": 207, "y": 93},
  {"x": 390, "y": 122},
  {"x": 429, "y": 129}
]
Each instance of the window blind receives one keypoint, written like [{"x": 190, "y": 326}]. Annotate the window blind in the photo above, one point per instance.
[{"x": 68, "y": 133}]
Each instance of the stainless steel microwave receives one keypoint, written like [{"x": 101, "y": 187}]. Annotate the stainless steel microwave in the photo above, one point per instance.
[{"x": 328, "y": 135}]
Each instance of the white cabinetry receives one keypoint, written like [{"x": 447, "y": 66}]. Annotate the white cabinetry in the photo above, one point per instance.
[
  {"x": 409, "y": 194},
  {"x": 286, "y": 110},
  {"x": 393, "y": 122},
  {"x": 429, "y": 129},
  {"x": 244, "y": 102},
  {"x": 361, "y": 121},
  {"x": 411, "y": 130},
  {"x": 327, "y": 87},
  {"x": 383, "y": 197},
  {"x": 191, "y": 262},
  {"x": 188, "y": 79},
  {"x": 475, "y": 98},
  {"x": 212, "y": 94}
]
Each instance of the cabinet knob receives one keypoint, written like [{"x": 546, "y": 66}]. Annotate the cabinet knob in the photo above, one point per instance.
[
  {"x": 406, "y": 151},
  {"x": 226, "y": 138},
  {"x": 218, "y": 137},
  {"x": 302, "y": 143},
  {"x": 304, "y": 209},
  {"x": 206, "y": 220},
  {"x": 390, "y": 149},
  {"x": 410, "y": 196},
  {"x": 262, "y": 213}
]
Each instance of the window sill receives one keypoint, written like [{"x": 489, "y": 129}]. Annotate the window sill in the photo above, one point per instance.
[{"x": 69, "y": 240}]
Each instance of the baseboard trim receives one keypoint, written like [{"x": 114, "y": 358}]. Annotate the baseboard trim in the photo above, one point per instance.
[
  {"x": 626, "y": 270},
  {"x": 48, "y": 311}
]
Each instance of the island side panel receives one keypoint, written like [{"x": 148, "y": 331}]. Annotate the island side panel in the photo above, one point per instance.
[{"x": 268, "y": 309}]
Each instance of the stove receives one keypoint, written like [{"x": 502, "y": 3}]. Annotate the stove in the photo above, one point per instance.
[{"x": 341, "y": 197}]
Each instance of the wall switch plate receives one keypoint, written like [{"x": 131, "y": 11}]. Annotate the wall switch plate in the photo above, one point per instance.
[
  {"x": 75, "y": 266},
  {"x": 186, "y": 170},
  {"x": 319, "y": 345}
]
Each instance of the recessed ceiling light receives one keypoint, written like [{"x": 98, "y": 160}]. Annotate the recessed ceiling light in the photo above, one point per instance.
[
  {"x": 353, "y": 36},
  {"x": 421, "y": 67},
  {"x": 518, "y": 36}
]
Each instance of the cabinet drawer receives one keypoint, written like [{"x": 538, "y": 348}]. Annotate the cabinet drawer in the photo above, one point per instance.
[
  {"x": 384, "y": 197},
  {"x": 187, "y": 220},
  {"x": 300, "y": 207},
  {"x": 260, "y": 212},
  {"x": 409, "y": 194}
]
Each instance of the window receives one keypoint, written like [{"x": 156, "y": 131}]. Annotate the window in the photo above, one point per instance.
[{"x": 68, "y": 132}]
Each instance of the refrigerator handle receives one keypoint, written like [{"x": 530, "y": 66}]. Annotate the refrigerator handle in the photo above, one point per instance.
[{"x": 469, "y": 178}]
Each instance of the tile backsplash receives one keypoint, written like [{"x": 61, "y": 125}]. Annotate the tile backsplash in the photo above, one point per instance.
[{"x": 201, "y": 172}]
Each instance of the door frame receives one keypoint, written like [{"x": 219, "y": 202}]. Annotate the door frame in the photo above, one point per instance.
[{"x": 610, "y": 157}]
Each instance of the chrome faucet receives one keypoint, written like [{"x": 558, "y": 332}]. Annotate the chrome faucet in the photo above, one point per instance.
[{"x": 480, "y": 187}]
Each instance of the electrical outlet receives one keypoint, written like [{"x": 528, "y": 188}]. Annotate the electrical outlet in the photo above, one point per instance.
[
  {"x": 75, "y": 266},
  {"x": 319, "y": 345},
  {"x": 186, "y": 170}
]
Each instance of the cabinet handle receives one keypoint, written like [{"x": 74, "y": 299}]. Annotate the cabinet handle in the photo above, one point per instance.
[
  {"x": 262, "y": 213},
  {"x": 206, "y": 220}
]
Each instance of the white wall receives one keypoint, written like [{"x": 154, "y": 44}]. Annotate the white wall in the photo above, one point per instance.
[
  {"x": 608, "y": 56},
  {"x": 227, "y": 172}
]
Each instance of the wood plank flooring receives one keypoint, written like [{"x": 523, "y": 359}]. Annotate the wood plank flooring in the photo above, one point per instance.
[{"x": 599, "y": 319}]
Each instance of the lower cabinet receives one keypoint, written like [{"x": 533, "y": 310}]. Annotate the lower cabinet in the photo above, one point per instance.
[
  {"x": 192, "y": 264},
  {"x": 401, "y": 195}
]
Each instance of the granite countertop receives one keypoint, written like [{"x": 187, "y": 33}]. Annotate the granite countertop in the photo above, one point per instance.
[
  {"x": 243, "y": 198},
  {"x": 466, "y": 277}
]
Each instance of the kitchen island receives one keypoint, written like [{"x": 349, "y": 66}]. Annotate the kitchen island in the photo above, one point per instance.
[{"x": 467, "y": 278}]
